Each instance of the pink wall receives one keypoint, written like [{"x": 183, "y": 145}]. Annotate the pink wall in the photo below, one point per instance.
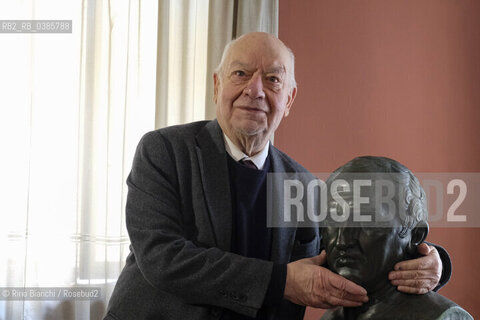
[{"x": 394, "y": 78}]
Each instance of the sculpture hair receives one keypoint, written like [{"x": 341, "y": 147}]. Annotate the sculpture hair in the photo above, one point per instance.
[{"x": 415, "y": 200}]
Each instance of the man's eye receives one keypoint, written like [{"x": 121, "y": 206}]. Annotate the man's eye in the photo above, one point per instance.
[
  {"x": 239, "y": 73},
  {"x": 273, "y": 79}
]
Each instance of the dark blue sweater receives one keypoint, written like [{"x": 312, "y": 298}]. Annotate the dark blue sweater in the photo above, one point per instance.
[{"x": 250, "y": 235}]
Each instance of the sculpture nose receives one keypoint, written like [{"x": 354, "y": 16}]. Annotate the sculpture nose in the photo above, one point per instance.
[
  {"x": 254, "y": 88},
  {"x": 346, "y": 237}
]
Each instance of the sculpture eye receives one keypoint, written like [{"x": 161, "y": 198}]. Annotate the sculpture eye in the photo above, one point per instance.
[
  {"x": 330, "y": 230},
  {"x": 373, "y": 230}
]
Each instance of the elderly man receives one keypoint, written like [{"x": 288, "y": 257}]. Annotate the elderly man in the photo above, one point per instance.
[
  {"x": 365, "y": 252},
  {"x": 196, "y": 210}
]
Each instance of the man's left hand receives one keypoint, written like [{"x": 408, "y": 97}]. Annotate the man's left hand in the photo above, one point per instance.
[{"x": 419, "y": 275}]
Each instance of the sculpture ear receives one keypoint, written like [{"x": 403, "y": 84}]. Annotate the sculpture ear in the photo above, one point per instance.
[{"x": 419, "y": 233}]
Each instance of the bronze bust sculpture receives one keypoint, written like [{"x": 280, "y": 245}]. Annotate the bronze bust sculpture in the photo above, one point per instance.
[{"x": 365, "y": 251}]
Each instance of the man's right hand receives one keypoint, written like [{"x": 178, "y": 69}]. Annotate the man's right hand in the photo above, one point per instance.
[{"x": 309, "y": 284}]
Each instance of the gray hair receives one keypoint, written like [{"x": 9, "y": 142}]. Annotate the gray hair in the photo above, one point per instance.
[{"x": 220, "y": 69}]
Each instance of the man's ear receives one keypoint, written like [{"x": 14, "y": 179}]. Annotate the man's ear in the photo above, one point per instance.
[
  {"x": 419, "y": 233},
  {"x": 216, "y": 83},
  {"x": 291, "y": 97}
]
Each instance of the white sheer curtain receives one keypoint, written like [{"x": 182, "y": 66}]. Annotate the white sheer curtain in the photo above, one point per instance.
[
  {"x": 72, "y": 109},
  {"x": 191, "y": 38}
]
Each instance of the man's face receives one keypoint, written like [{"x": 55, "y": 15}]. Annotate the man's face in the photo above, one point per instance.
[
  {"x": 361, "y": 252},
  {"x": 253, "y": 93}
]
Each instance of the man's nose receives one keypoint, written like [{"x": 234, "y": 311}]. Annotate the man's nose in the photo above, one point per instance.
[{"x": 254, "y": 88}]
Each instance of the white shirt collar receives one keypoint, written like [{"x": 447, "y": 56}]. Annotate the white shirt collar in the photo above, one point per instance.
[{"x": 237, "y": 154}]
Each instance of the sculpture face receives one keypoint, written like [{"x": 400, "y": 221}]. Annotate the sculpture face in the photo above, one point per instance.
[
  {"x": 365, "y": 253},
  {"x": 362, "y": 252}
]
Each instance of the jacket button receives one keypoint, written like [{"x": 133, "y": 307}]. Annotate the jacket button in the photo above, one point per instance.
[{"x": 216, "y": 312}]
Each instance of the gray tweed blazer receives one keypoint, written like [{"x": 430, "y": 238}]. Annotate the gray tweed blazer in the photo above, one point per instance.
[{"x": 179, "y": 219}]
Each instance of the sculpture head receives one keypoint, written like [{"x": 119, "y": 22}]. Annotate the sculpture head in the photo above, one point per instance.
[{"x": 365, "y": 252}]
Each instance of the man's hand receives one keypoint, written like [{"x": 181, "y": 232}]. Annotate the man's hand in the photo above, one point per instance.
[
  {"x": 308, "y": 284},
  {"x": 418, "y": 275}
]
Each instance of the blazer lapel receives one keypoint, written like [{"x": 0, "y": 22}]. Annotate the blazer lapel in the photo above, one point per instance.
[
  {"x": 211, "y": 155},
  {"x": 215, "y": 179},
  {"x": 282, "y": 237}
]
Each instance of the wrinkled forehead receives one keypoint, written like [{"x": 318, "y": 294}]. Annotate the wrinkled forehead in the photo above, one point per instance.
[{"x": 257, "y": 51}]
